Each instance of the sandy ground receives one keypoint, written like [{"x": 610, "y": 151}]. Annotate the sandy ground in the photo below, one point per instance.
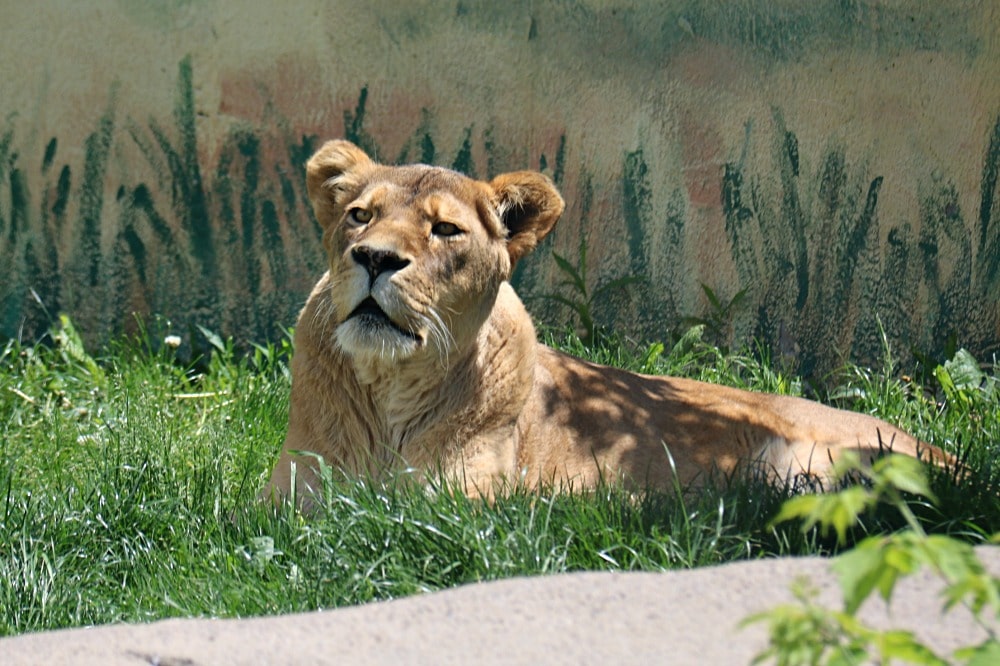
[{"x": 682, "y": 617}]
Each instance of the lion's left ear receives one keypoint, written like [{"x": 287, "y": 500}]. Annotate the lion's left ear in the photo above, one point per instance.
[{"x": 529, "y": 205}]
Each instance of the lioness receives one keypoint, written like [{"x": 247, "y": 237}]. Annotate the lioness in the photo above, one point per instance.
[{"x": 414, "y": 352}]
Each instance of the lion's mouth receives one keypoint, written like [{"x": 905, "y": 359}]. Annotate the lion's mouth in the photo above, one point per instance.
[{"x": 369, "y": 313}]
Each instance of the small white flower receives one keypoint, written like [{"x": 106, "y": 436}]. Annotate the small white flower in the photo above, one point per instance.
[{"x": 173, "y": 341}]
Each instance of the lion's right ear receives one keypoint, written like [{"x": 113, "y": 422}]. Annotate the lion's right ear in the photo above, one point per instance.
[
  {"x": 529, "y": 205},
  {"x": 328, "y": 176}
]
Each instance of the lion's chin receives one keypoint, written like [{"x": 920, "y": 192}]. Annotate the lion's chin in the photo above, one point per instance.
[{"x": 369, "y": 332}]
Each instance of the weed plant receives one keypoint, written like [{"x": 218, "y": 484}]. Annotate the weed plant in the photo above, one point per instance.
[{"x": 129, "y": 483}]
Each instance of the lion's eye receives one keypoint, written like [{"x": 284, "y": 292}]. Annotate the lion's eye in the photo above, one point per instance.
[
  {"x": 360, "y": 215},
  {"x": 445, "y": 229}
]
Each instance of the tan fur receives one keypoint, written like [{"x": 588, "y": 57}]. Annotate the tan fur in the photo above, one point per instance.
[{"x": 457, "y": 383}]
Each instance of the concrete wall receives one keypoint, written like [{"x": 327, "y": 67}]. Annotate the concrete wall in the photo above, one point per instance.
[{"x": 835, "y": 162}]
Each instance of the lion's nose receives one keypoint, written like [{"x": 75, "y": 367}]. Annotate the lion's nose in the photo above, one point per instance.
[{"x": 377, "y": 262}]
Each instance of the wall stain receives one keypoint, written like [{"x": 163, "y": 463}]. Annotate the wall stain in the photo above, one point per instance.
[
  {"x": 988, "y": 274},
  {"x": 463, "y": 158},
  {"x": 637, "y": 208}
]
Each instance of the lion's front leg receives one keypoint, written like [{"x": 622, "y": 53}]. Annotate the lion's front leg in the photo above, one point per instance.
[
  {"x": 294, "y": 477},
  {"x": 484, "y": 465}
]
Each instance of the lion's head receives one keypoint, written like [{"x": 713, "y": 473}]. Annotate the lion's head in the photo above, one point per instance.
[{"x": 418, "y": 253}]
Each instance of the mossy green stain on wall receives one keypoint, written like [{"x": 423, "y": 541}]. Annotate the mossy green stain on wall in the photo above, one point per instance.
[
  {"x": 643, "y": 221},
  {"x": 849, "y": 276},
  {"x": 18, "y": 203},
  {"x": 50, "y": 155},
  {"x": 140, "y": 205},
  {"x": 271, "y": 239},
  {"x": 792, "y": 209},
  {"x": 179, "y": 246},
  {"x": 193, "y": 203},
  {"x": 249, "y": 147},
  {"x": 354, "y": 125},
  {"x": 988, "y": 274},
  {"x": 812, "y": 263},
  {"x": 738, "y": 217},
  {"x": 943, "y": 225},
  {"x": 463, "y": 162},
  {"x": 895, "y": 303},
  {"x": 62, "y": 196},
  {"x": 637, "y": 207},
  {"x": 96, "y": 149}
]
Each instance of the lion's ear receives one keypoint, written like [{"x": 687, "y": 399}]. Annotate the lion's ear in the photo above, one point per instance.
[
  {"x": 328, "y": 176},
  {"x": 529, "y": 205}
]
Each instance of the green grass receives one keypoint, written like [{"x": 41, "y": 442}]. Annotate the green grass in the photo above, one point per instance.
[{"x": 128, "y": 486}]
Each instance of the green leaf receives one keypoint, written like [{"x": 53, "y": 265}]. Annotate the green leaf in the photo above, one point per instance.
[
  {"x": 653, "y": 352},
  {"x": 737, "y": 299},
  {"x": 848, "y": 463},
  {"x": 860, "y": 571},
  {"x": 712, "y": 298},
  {"x": 847, "y": 655},
  {"x": 968, "y": 582},
  {"x": 960, "y": 376},
  {"x": 617, "y": 283},
  {"x": 213, "y": 338},
  {"x": 838, "y": 511},
  {"x": 904, "y": 646},
  {"x": 964, "y": 371},
  {"x": 71, "y": 344},
  {"x": 984, "y": 654},
  {"x": 843, "y": 508},
  {"x": 944, "y": 379},
  {"x": 562, "y": 299},
  {"x": 570, "y": 270},
  {"x": 691, "y": 338},
  {"x": 902, "y": 473},
  {"x": 902, "y": 558},
  {"x": 802, "y": 506},
  {"x": 876, "y": 563}
]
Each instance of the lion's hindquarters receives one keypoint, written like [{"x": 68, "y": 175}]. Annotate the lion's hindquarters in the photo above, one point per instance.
[
  {"x": 659, "y": 430},
  {"x": 819, "y": 435}
]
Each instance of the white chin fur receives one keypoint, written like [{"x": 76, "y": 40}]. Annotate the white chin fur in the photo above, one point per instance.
[{"x": 382, "y": 343}]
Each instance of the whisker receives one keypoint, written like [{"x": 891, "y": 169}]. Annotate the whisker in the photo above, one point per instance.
[{"x": 441, "y": 337}]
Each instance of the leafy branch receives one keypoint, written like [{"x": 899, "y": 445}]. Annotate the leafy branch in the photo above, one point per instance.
[
  {"x": 806, "y": 633},
  {"x": 582, "y": 299},
  {"x": 718, "y": 322}
]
